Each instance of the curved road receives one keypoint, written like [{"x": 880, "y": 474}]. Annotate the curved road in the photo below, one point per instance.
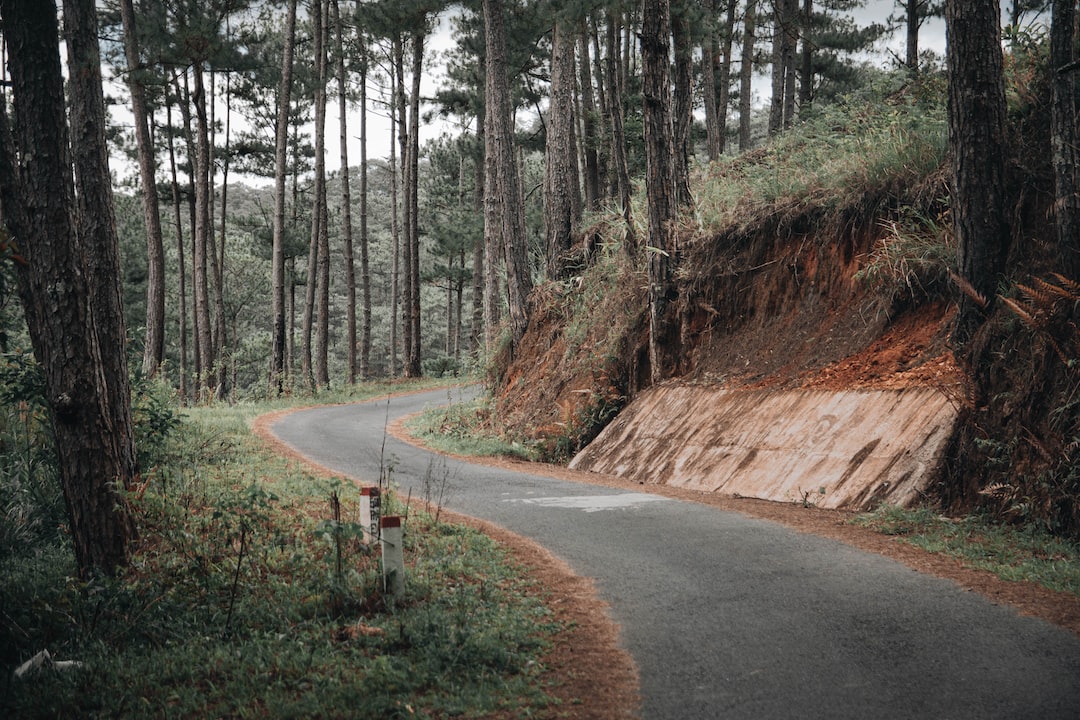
[{"x": 732, "y": 617}]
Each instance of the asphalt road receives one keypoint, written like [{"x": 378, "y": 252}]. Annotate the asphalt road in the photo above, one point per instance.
[{"x": 732, "y": 617}]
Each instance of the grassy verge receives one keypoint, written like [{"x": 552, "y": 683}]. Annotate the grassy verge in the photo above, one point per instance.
[
  {"x": 464, "y": 429},
  {"x": 250, "y": 594},
  {"x": 1010, "y": 552}
]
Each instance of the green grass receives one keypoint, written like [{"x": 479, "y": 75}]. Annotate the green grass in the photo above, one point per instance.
[
  {"x": 235, "y": 606},
  {"x": 1012, "y": 553},
  {"x": 461, "y": 428}
]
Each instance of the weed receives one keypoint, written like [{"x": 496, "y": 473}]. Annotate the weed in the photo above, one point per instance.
[
  {"x": 246, "y": 597},
  {"x": 1012, "y": 553}
]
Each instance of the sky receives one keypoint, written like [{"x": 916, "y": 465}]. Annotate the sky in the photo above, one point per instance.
[{"x": 932, "y": 36}]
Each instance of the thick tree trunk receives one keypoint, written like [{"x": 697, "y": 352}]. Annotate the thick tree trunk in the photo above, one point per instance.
[
  {"x": 279, "y": 341},
  {"x": 659, "y": 187},
  {"x": 1064, "y": 135},
  {"x": 70, "y": 282},
  {"x": 683, "y": 109},
  {"x": 746, "y": 76},
  {"x": 591, "y": 169},
  {"x": 560, "y": 176},
  {"x": 154, "y": 349},
  {"x": 502, "y": 172},
  {"x": 913, "y": 8},
  {"x": 477, "y": 338},
  {"x": 977, "y": 151},
  {"x": 395, "y": 223}
]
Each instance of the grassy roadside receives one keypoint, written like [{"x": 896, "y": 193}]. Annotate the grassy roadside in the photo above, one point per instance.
[
  {"x": 1012, "y": 553},
  {"x": 250, "y": 594}
]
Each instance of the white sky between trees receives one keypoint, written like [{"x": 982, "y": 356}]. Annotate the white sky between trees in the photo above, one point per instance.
[{"x": 441, "y": 41}]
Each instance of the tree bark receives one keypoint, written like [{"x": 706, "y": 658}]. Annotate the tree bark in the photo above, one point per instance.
[
  {"x": 181, "y": 270},
  {"x": 560, "y": 170},
  {"x": 683, "y": 101},
  {"x": 502, "y": 172},
  {"x": 154, "y": 349},
  {"x": 413, "y": 367},
  {"x": 617, "y": 91},
  {"x": 659, "y": 187},
  {"x": 977, "y": 150},
  {"x": 346, "y": 195},
  {"x": 365, "y": 265},
  {"x": 591, "y": 169},
  {"x": 281, "y": 165},
  {"x": 1064, "y": 136},
  {"x": 710, "y": 59},
  {"x": 200, "y": 261},
  {"x": 69, "y": 283},
  {"x": 746, "y": 76}
]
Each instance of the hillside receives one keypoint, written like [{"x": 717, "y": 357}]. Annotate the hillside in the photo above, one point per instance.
[{"x": 821, "y": 262}]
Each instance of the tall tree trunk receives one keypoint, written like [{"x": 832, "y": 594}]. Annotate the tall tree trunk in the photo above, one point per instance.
[
  {"x": 218, "y": 255},
  {"x": 977, "y": 150},
  {"x": 561, "y": 207},
  {"x": 181, "y": 270},
  {"x": 790, "y": 49},
  {"x": 913, "y": 9},
  {"x": 724, "y": 93},
  {"x": 710, "y": 60},
  {"x": 346, "y": 195},
  {"x": 204, "y": 328},
  {"x": 683, "y": 109},
  {"x": 405, "y": 268},
  {"x": 502, "y": 173},
  {"x": 365, "y": 265},
  {"x": 1064, "y": 136},
  {"x": 154, "y": 349},
  {"x": 279, "y": 342},
  {"x": 659, "y": 186},
  {"x": 413, "y": 366},
  {"x": 746, "y": 76},
  {"x": 588, "y": 122},
  {"x": 806, "y": 86},
  {"x": 396, "y": 79},
  {"x": 476, "y": 336},
  {"x": 617, "y": 91},
  {"x": 70, "y": 282},
  {"x": 322, "y": 338}
]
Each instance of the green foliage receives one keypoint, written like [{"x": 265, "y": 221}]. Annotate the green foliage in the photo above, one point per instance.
[
  {"x": 32, "y": 514},
  {"x": 250, "y": 594},
  {"x": 1012, "y": 553},
  {"x": 915, "y": 253},
  {"x": 881, "y": 142},
  {"x": 467, "y": 429}
]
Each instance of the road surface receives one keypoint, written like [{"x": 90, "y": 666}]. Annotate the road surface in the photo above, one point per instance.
[{"x": 732, "y": 617}]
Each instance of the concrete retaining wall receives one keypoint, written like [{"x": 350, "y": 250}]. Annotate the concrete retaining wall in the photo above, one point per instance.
[{"x": 834, "y": 449}]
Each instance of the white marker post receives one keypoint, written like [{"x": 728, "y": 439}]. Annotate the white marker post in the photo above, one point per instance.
[
  {"x": 370, "y": 510},
  {"x": 393, "y": 556}
]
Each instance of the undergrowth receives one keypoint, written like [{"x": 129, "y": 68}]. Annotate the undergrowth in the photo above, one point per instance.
[
  {"x": 250, "y": 593},
  {"x": 1012, "y": 553}
]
